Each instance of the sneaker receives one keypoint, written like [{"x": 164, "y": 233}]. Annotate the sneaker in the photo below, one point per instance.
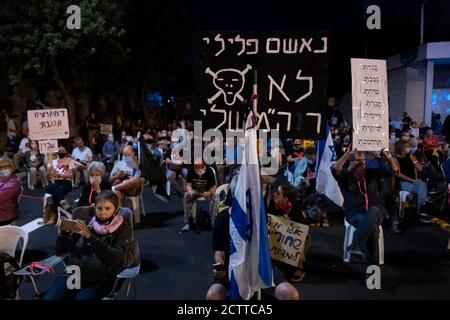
[
  {"x": 186, "y": 228},
  {"x": 65, "y": 205},
  {"x": 424, "y": 218},
  {"x": 396, "y": 228},
  {"x": 161, "y": 194}
]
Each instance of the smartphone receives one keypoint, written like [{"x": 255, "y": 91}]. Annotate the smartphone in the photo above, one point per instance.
[
  {"x": 219, "y": 267},
  {"x": 68, "y": 225}
]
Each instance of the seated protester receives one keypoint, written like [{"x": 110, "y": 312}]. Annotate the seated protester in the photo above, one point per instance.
[
  {"x": 19, "y": 157},
  {"x": 387, "y": 190},
  {"x": 201, "y": 182},
  {"x": 105, "y": 235},
  {"x": 35, "y": 162},
  {"x": 175, "y": 168},
  {"x": 125, "y": 177},
  {"x": 60, "y": 173},
  {"x": 221, "y": 246},
  {"x": 97, "y": 183},
  {"x": 309, "y": 181},
  {"x": 409, "y": 167},
  {"x": 428, "y": 173},
  {"x": 10, "y": 191},
  {"x": 392, "y": 140},
  {"x": 83, "y": 156},
  {"x": 432, "y": 149},
  {"x": 294, "y": 152},
  {"x": 286, "y": 203},
  {"x": 363, "y": 208},
  {"x": 110, "y": 151}
]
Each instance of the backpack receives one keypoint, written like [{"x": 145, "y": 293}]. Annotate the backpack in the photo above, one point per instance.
[{"x": 9, "y": 283}]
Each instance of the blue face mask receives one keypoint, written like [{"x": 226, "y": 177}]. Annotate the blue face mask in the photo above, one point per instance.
[
  {"x": 127, "y": 160},
  {"x": 413, "y": 149}
]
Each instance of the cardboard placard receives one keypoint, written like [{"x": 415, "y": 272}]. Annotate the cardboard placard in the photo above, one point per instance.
[
  {"x": 48, "y": 124},
  {"x": 370, "y": 105},
  {"x": 48, "y": 146},
  {"x": 106, "y": 128},
  {"x": 287, "y": 240}
]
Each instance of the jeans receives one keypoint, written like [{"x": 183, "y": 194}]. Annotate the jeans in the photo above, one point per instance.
[
  {"x": 367, "y": 232},
  {"x": 88, "y": 291},
  {"x": 58, "y": 190},
  {"x": 419, "y": 188}
]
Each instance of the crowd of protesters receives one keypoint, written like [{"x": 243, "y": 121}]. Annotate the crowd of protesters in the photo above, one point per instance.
[{"x": 369, "y": 181}]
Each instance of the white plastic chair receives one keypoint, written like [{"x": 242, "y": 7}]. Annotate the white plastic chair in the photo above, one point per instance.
[
  {"x": 350, "y": 231},
  {"x": 136, "y": 203},
  {"x": 9, "y": 240}
]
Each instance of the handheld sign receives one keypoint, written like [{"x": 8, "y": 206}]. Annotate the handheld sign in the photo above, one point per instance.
[
  {"x": 106, "y": 129},
  {"x": 48, "y": 146},
  {"x": 370, "y": 105},
  {"x": 48, "y": 124},
  {"x": 292, "y": 81},
  {"x": 287, "y": 240}
]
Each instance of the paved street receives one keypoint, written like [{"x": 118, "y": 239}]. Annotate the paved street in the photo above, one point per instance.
[{"x": 417, "y": 264}]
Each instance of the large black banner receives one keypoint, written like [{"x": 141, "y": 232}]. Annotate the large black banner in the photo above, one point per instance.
[{"x": 292, "y": 70}]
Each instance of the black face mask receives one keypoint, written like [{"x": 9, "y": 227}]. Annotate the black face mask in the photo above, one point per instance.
[
  {"x": 61, "y": 155},
  {"x": 106, "y": 221}
]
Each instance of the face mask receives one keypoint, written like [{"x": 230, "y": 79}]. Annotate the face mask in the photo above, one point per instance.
[
  {"x": 310, "y": 161},
  {"x": 5, "y": 173},
  {"x": 127, "y": 160},
  {"x": 413, "y": 149},
  {"x": 97, "y": 179},
  {"x": 408, "y": 150},
  {"x": 393, "y": 136},
  {"x": 135, "y": 145},
  {"x": 111, "y": 139},
  {"x": 61, "y": 155}
]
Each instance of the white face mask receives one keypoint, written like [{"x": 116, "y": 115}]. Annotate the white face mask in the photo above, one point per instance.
[
  {"x": 5, "y": 173},
  {"x": 97, "y": 179}
]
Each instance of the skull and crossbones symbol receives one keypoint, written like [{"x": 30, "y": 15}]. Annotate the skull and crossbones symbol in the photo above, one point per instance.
[{"x": 229, "y": 82}]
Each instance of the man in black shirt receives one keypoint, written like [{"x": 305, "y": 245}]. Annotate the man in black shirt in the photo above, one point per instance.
[
  {"x": 363, "y": 205},
  {"x": 201, "y": 183}
]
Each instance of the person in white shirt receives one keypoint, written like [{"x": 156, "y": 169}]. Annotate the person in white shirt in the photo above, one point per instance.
[
  {"x": 60, "y": 173},
  {"x": 82, "y": 156},
  {"x": 125, "y": 176}
]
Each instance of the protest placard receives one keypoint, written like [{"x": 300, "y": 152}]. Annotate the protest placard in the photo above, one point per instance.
[
  {"x": 287, "y": 240},
  {"x": 48, "y": 124},
  {"x": 292, "y": 80},
  {"x": 370, "y": 105},
  {"x": 106, "y": 128},
  {"x": 48, "y": 146}
]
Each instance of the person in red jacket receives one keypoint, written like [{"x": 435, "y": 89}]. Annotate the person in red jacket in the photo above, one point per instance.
[{"x": 10, "y": 191}]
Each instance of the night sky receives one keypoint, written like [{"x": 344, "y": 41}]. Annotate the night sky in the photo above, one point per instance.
[{"x": 345, "y": 19}]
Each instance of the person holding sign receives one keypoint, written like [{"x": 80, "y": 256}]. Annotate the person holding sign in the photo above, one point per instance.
[
  {"x": 60, "y": 172},
  {"x": 221, "y": 246},
  {"x": 363, "y": 205},
  {"x": 287, "y": 204}
]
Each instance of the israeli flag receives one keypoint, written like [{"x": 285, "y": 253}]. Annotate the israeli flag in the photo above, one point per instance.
[
  {"x": 325, "y": 182},
  {"x": 250, "y": 267}
]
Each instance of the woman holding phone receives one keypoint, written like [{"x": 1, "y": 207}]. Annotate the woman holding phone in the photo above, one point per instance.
[{"x": 101, "y": 254}]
